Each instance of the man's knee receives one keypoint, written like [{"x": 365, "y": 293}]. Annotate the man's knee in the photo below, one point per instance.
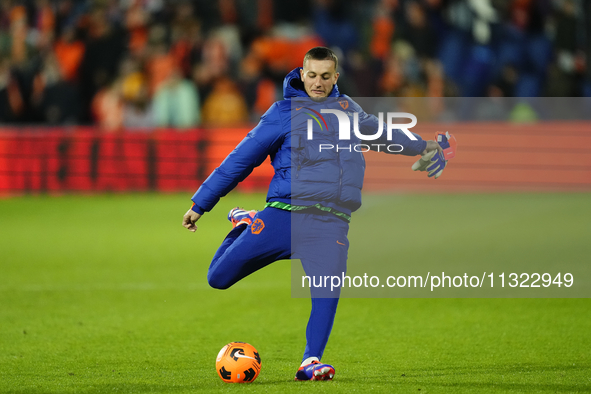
[{"x": 218, "y": 281}]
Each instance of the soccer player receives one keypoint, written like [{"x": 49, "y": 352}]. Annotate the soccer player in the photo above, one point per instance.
[{"x": 310, "y": 198}]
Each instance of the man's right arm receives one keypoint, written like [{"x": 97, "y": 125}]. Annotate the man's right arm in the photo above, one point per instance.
[{"x": 265, "y": 138}]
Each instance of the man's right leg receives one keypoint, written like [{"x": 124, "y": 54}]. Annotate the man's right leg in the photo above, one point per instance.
[
  {"x": 248, "y": 248},
  {"x": 322, "y": 245}
]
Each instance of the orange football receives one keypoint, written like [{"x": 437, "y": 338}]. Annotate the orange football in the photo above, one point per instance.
[{"x": 238, "y": 362}]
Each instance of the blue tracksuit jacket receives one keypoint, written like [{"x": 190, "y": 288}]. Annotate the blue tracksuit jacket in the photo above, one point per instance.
[{"x": 304, "y": 175}]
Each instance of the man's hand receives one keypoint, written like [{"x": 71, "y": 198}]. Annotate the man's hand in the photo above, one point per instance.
[
  {"x": 434, "y": 157},
  {"x": 431, "y": 146},
  {"x": 424, "y": 161},
  {"x": 431, "y": 162},
  {"x": 189, "y": 220}
]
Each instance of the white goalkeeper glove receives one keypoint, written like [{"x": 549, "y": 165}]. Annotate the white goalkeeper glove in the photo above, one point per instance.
[
  {"x": 424, "y": 161},
  {"x": 432, "y": 162}
]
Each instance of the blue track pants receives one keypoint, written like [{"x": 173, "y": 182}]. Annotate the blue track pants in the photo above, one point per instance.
[{"x": 317, "y": 238}]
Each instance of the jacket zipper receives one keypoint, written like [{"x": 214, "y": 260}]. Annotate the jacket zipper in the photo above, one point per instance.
[{"x": 340, "y": 172}]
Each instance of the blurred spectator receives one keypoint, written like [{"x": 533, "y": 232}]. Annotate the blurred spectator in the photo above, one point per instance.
[
  {"x": 393, "y": 79},
  {"x": 104, "y": 50},
  {"x": 570, "y": 58},
  {"x": 160, "y": 65},
  {"x": 284, "y": 49},
  {"x": 137, "y": 111},
  {"x": 418, "y": 32},
  {"x": 54, "y": 100},
  {"x": 136, "y": 23},
  {"x": 176, "y": 103},
  {"x": 11, "y": 99},
  {"x": 493, "y": 109},
  {"x": 187, "y": 45},
  {"x": 107, "y": 107},
  {"x": 523, "y": 112},
  {"x": 214, "y": 60},
  {"x": 224, "y": 106},
  {"x": 44, "y": 24},
  {"x": 69, "y": 13},
  {"x": 69, "y": 52},
  {"x": 334, "y": 26},
  {"x": 383, "y": 28},
  {"x": 17, "y": 36},
  {"x": 504, "y": 86},
  {"x": 258, "y": 89}
]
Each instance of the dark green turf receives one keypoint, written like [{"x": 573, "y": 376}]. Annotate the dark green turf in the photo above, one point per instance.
[{"x": 107, "y": 294}]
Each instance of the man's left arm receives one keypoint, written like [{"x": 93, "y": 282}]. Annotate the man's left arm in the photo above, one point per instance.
[
  {"x": 369, "y": 125},
  {"x": 433, "y": 159}
]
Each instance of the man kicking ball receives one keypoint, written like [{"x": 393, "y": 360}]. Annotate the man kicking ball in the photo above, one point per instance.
[{"x": 311, "y": 196}]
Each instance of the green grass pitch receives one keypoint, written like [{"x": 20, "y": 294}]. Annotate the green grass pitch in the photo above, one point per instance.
[{"x": 108, "y": 294}]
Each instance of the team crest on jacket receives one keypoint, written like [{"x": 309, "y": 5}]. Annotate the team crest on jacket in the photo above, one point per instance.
[
  {"x": 257, "y": 226},
  {"x": 344, "y": 103}
]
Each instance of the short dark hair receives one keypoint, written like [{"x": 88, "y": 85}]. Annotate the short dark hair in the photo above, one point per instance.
[{"x": 322, "y": 53}]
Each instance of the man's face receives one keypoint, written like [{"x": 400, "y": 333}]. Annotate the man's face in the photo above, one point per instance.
[{"x": 319, "y": 76}]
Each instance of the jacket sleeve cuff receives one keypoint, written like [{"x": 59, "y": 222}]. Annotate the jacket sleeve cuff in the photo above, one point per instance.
[
  {"x": 423, "y": 147},
  {"x": 197, "y": 208}
]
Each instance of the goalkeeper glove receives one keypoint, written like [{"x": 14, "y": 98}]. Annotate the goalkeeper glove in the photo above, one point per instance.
[{"x": 433, "y": 162}]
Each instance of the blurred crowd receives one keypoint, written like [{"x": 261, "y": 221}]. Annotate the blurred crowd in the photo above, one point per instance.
[{"x": 156, "y": 63}]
